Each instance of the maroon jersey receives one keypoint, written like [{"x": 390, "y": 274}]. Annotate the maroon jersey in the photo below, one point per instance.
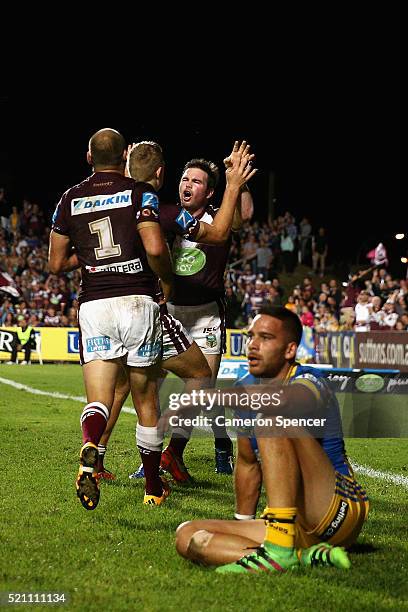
[
  {"x": 198, "y": 268},
  {"x": 101, "y": 216},
  {"x": 177, "y": 221}
]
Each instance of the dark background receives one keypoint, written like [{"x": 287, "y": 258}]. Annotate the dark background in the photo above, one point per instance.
[{"x": 337, "y": 164}]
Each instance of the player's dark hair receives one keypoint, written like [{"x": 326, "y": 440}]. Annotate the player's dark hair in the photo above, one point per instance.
[
  {"x": 145, "y": 158},
  {"x": 208, "y": 167},
  {"x": 106, "y": 148},
  {"x": 293, "y": 326}
]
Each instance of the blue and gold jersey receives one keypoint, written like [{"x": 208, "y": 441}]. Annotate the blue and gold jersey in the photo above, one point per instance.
[{"x": 332, "y": 439}]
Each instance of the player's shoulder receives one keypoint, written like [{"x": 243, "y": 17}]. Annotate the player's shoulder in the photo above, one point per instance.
[
  {"x": 146, "y": 195},
  {"x": 312, "y": 377},
  {"x": 302, "y": 370},
  {"x": 246, "y": 379}
]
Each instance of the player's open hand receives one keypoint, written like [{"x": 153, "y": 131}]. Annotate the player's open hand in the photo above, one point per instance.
[{"x": 239, "y": 168}]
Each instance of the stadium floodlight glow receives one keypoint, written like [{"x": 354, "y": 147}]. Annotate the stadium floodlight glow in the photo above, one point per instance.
[
  {"x": 399, "y": 236},
  {"x": 404, "y": 259}
]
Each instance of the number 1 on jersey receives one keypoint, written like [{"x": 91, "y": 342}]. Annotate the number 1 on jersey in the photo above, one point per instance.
[{"x": 107, "y": 247}]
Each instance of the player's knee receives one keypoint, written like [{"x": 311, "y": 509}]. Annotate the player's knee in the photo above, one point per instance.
[
  {"x": 184, "y": 533},
  {"x": 192, "y": 542},
  {"x": 198, "y": 544}
]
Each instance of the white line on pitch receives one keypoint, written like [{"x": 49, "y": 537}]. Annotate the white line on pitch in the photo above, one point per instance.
[
  {"x": 76, "y": 398},
  {"x": 396, "y": 479}
]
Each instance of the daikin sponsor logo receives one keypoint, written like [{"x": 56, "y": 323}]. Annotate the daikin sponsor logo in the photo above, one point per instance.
[{"x": 122, "y": 199}]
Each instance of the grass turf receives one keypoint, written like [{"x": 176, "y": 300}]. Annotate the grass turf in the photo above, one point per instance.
[{"x": 122, "y": 556}]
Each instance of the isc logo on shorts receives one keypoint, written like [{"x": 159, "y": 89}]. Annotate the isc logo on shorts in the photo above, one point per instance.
[{"x": 98, "y": 343}]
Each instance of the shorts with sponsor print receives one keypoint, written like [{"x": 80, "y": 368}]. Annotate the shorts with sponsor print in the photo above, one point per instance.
[
  {"x": 344, "y": 519},
  {"x": 114, "y": 327},
  {"x": 176, "y": 340},
  {"x": 205, "y": 323}
]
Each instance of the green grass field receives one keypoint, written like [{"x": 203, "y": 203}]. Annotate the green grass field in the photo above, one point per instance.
[{"x": 122, "y": 555}]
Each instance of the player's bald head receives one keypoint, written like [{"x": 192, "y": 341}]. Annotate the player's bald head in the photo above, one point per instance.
[{"x": 106, "y": 148}]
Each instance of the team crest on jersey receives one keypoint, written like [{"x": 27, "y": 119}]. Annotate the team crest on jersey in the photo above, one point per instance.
[
  {"x": 188, "y": 261},
  {"x": 211, "y": 340},
  {"x": 150, "y": 199},
  {"x": 184, "y": 219},
  {"x": 97, "y": 203}
]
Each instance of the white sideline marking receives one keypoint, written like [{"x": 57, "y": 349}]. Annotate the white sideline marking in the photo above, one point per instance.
[
  {"x": 76, "y": 398},
  {"x": 396, "y": 479}
]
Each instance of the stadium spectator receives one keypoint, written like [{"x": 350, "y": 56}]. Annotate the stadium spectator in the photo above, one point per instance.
[
  {"x": 233, "y": 308},
  {"x": 390, "y": 316},
  {"x": 287, "y": 246},
  {"x": 305, "y": 241},
  {"x": 24, "y": 340},
  {"x": 319, "y": 251},
  {"x": 263, "y": 259},
  {"x": 306, "y": 317},
  {"x": 5, "y": 210},
  {"x": 363, "y": 312}
]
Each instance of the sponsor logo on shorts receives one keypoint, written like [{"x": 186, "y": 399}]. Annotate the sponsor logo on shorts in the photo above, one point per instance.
[
  {"x": 149, "y": 350},
  {"x": 125, "y": 267},
  {"x": 150, "y": 199},
  {"x": 188, "y": 261},
  {"x": 337, "y": 521},
  {"x": 211, "y": 340},
  {"x": 98, "y": 343},
  {"x": 90, "y": 204}
]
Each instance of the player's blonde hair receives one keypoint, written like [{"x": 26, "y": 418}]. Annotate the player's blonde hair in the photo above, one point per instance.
[{"x": 144, "y": 159}]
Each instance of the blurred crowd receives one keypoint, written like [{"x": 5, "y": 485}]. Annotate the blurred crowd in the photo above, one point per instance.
[{"x": 260, "y": 254}]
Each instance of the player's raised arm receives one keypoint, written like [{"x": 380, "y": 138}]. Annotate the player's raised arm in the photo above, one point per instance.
[{"x": 239, "y": 171}]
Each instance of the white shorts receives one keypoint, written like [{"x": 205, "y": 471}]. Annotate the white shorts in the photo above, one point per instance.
[
  {"x": 114, "y": 327},
  {"x": 176, "y": 340},
  {"x": 205, "y": 323}
]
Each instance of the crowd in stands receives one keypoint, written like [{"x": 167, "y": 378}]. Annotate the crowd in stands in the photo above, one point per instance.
[{"x": 259, "y": 255}]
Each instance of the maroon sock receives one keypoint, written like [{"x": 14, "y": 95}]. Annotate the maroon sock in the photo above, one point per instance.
[
  {"x": 151, "y": 463},
  {"x": 178, "y": 445},
  {"x": 93, "y": 421}
]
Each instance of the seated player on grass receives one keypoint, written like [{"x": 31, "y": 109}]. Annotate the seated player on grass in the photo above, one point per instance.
[{"x": 314, "y": 505}]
